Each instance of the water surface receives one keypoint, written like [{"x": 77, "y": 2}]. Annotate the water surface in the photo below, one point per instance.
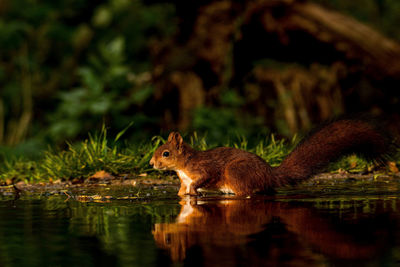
[{"x": 156, "y": 228}]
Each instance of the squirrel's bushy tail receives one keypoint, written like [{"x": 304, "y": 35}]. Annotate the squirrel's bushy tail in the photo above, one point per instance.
[{"x": 327, "y": 144}]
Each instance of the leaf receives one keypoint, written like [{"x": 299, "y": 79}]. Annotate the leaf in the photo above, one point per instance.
[{"x": 123, "y": 131}]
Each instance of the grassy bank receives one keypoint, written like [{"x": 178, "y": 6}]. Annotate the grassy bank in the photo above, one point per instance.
[{"x": 99, "y": 152}]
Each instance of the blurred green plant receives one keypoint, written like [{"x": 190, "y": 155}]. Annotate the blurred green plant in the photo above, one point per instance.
[
  {"x": 81, "y": 62},
  {"x": 227, "y": 121}
]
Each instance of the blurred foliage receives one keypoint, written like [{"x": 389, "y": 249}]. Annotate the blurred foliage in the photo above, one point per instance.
[
  {"x": 68, "y": 67},
  {"x": 228, "y": 120}
]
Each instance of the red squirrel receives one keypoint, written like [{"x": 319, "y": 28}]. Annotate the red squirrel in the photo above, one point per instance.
[{"x": 242, "y": 173}]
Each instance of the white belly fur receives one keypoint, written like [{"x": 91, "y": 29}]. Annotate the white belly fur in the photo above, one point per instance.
[{"x": 186, "y": 180}]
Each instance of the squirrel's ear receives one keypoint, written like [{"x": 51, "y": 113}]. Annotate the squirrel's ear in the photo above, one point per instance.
[
  {"x": 171, "y": 136},
  {"x": 179, "y": 142},
  {"x": 176, "y": 138}
]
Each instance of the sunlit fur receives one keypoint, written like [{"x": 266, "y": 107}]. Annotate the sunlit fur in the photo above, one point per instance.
[{"x": 243, "y": 173}]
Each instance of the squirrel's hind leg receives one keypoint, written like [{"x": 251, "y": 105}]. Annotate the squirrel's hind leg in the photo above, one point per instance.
[{"x": 244, "y": 177}]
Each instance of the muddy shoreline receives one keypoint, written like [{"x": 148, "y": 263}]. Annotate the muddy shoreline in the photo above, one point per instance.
[{"x": 110, "y": 187}]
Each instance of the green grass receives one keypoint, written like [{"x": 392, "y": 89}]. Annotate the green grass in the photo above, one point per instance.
[
  {"x": 82, "y": 160},
  {"x": 99, "y": 152}
]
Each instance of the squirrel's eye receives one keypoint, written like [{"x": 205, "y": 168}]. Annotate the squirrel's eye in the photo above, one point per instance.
[{"x": 165, "y": 154}]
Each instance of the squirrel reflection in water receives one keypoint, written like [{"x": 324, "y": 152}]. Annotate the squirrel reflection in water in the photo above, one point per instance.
[{"x": 220, "y": 229}]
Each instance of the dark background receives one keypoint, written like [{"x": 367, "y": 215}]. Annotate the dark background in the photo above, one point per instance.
[{"x": 224, "y": 68}]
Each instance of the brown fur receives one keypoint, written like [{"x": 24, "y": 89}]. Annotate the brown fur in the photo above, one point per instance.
[{"x": 245, "y": 173}]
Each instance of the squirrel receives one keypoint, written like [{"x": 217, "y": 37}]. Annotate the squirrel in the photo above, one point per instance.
[{"x": 242, "y": 173}]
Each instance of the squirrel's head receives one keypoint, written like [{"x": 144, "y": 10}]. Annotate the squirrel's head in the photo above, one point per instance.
[{"x": 167, "y": 156}]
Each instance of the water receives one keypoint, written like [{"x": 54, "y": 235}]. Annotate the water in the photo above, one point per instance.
[{"x": 160, "y": 229}]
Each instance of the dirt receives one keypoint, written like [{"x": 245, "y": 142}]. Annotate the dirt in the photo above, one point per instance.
[{"x": 108, "y": 186}]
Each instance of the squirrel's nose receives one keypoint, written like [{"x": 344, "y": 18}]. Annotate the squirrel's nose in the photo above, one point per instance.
[{"x": 152, "y": 162}]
